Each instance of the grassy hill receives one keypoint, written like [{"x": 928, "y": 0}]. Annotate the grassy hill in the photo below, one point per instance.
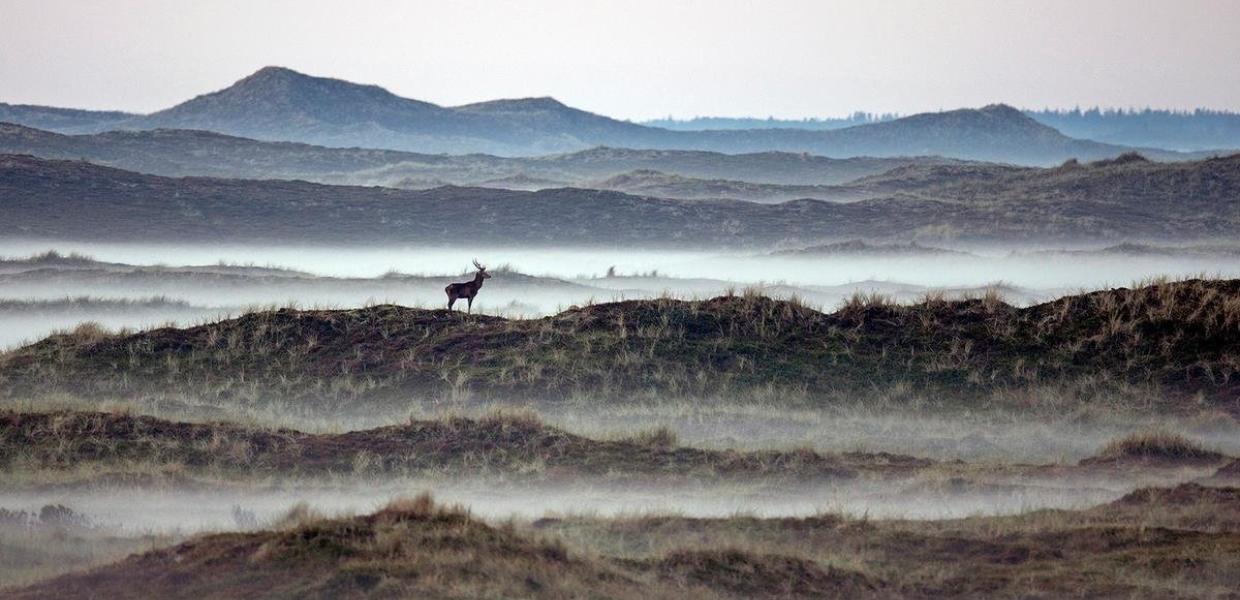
[
  {"x": 1153, "y": 543},
  {"x": 497, "y": 444},
  {"x": 1175, "y": 343}
]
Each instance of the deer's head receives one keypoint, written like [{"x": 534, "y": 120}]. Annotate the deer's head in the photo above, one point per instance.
[{"x": 482, "y": 271}]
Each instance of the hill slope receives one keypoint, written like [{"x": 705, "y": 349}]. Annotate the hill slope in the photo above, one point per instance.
[
  {"x": 275, "y": 103},
  {"x": 64, "y": 120},
  {"x": 1153, "y": 543},
  {"x": 181, "y": 152},
  {"x": 511, "y": 446},
  {"x": 1109, "y": 201},
  {"x": 666, "y": 185}
]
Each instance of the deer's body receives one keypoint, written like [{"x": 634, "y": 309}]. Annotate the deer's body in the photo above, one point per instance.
[{"x": 468, "y": 289}]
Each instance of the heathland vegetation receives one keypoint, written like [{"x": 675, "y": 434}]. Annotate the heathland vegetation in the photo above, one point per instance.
[
  {"x": 613, "y": 405},
  {"x": 1153, "y": 543},
  {"x": 1172, "y": 344}
]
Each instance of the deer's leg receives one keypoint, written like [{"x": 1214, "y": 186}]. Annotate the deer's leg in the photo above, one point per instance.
[
  {"x": 451, "y": 301},
  {"x": 470, "y": 306}
]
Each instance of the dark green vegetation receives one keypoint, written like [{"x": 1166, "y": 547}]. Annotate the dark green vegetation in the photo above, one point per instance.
[
  {"x": 280, "y": 104},
  {"x": 1154, "y": 543},
  {"x": 497, "y": 444},
  {"x": 1172, "y": 344},
  {"x": 1116, "y": 200}
]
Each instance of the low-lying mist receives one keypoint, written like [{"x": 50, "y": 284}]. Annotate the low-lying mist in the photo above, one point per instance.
[
  {"x": 141, "y": 286},
  {"x": 166, "y": 510}
]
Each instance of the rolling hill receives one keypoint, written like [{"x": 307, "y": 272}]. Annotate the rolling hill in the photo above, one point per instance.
[
  {"x": 277, "y": 103},
  {"x": 1200, "y": 129},
  {"x": 63, "y": 120},
  {"x": 1119, "y": 200},
  {"x": 181, "y": 152},
  {"x": 1177, "y": 342}
]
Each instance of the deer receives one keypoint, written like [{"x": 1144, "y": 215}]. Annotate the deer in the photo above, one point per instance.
[{"x": 467, "y": 290}]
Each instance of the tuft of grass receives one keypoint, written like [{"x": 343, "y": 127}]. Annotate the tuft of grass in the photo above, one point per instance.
[
  {"x": 89, "y": 332},
  {"x": 661, "y": 437},
  {"x": 1156, "y": 445}
]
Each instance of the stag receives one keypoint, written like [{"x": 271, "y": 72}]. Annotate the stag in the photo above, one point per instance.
[{"x": 467, "y": 290}]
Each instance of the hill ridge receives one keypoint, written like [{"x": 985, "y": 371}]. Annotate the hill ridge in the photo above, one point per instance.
[
  {"x": 73, "y": 200},
  {"x": 1175, "y": 339},
  {"x": 278, "y": 103}
]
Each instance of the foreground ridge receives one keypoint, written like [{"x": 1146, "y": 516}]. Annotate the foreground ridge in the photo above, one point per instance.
[{"x": 1177, "y": 340}]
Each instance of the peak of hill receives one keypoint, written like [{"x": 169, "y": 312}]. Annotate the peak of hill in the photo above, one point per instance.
[
  {"x": 277, "y": 103},
  {"x": 409, "y": 549},
  {"x": 510, "y": 105},
  {"x": 990, "y": 118},
  {"x": 274, "y": 100},
  {"x": 414, "y": 548}
]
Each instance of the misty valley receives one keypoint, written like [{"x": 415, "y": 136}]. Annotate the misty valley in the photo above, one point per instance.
[{"x": 302, "y": 337}]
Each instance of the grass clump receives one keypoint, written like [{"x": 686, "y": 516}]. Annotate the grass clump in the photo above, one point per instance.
[
  {"x": 662, "y": 437},
  {"x": 1155, "y": 445}
]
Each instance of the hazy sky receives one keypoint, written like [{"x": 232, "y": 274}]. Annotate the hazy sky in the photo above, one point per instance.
[{"x": 637, "y": 58}]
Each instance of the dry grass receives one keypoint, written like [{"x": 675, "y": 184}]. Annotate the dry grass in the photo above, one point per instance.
[
  {"x": 1156, "y": 445},
  {"x": 1164, "y": 345},
  {"x": 1178, "y": 542},
  {"x": 408, "y": 549},
  {"x": 124, "y": 447}
]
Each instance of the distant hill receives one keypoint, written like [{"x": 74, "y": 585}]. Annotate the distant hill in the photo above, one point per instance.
[
  {"x": 179, "y": 152},
  {"x": 1189, "y": 130},
  {"x": 1195, "y": 130},
  {"x": 703, "y": 123},
  {"x": 280, "y": 104},
  {"x": 993, "y": 133},
  {"x": 859, "y": 248},
  {"x": 189, "y": 152},
  {"x": 1109, "y": 201},
  {"x": 63, "y": 120},
  {"x": 276, "y": 103},
  {"x": 1128, "y": 249}
]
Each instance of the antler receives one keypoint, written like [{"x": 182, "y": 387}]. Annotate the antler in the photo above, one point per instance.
[{"x": 479, "y": 266}]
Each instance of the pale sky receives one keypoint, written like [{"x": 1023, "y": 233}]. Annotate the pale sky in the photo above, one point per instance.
[{"x": 639, "y": 59}]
